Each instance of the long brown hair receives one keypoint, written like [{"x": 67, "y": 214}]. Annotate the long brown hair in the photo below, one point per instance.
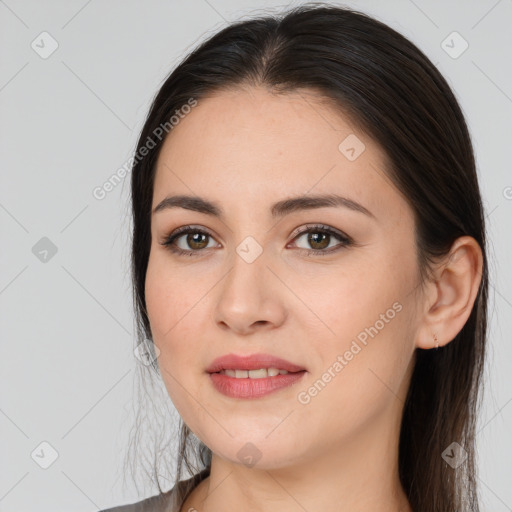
[{"x": 397, "y": 96}]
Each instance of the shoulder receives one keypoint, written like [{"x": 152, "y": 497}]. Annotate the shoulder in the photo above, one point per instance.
[
  {"x": 170, "y": 501},
  {"x": 153, "y": 504}
]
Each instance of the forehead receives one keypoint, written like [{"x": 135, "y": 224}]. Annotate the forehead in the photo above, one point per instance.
[
  {"x": 250, "y": 143},
  {"x": 245, "y": 121}
]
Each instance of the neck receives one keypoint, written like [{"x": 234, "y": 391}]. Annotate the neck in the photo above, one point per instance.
[{"x": 359, "y": 474}]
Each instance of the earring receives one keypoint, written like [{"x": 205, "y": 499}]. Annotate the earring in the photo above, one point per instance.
[{"x": 435, "y": 339}]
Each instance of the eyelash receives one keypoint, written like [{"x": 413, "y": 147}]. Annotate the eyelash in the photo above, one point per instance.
[{"x": 317, "y": 228}]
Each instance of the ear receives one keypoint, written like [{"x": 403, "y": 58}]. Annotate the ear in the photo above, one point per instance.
[{"x": 450, "y": 294}]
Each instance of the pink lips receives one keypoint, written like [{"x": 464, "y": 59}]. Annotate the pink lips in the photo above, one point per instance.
[
  {"x": 252, "y": 388},
  {"x": 251, "y": 362}
]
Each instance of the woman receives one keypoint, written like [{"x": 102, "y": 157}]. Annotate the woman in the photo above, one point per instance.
[{"x": 309, "y": 266}]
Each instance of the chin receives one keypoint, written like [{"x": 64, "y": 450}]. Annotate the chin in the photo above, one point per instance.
[{"x": 257, "y": 451}]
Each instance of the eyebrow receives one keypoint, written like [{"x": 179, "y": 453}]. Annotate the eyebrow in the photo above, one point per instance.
[{"x": 278, "y": 210}]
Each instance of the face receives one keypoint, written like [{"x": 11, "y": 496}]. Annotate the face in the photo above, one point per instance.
[{"x": 330, "y": 288}]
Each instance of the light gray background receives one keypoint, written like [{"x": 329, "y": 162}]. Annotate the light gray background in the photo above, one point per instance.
[{"x": 68, "y": 122}]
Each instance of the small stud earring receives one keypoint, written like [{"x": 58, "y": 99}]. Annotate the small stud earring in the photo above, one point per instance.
[{"x": 435, "y": 339}]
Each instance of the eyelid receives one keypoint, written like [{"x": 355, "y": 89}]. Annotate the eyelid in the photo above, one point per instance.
[
  {"x": 187, "y": 228},
  {"x": 321, "y": 227}
]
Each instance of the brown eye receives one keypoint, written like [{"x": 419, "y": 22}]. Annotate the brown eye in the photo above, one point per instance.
[
  {"x": 192, "y": 241},
  {"x": 319, "y": 238},
  {"x": 196, "y": 240},
  {"x": 188, "y": 240}
]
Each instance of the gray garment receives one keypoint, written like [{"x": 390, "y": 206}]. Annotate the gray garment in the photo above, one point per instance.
[{"x": 170, "y": 501}]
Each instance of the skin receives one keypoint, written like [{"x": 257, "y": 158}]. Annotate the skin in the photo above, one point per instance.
[{"x": 246, "y": 149}]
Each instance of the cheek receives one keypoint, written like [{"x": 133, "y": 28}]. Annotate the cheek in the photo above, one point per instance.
[
  {"x": 175, "y": 310},
  {"x": 339, "y": 303},
  {"x": 360, "y": 376},
  {"x": 170, "y": 296},
  {"x": 371, "y": 295},
  {"x": 367, "y": 319}
]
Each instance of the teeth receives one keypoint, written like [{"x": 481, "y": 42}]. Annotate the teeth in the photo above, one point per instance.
[{"x": 254, "y": 374}]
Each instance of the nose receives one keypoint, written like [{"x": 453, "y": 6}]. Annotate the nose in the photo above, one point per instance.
[{"x": 250, "y": 297}]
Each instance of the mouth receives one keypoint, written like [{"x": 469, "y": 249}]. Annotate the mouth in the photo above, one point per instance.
[
  {"x": 261, "y": 373},
  {"x": 254, "y": 366},
  {"x": 252, "y": 376}
]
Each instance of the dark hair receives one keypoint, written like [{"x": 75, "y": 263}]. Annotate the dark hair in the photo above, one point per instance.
[{"x": 396, "y": 96}]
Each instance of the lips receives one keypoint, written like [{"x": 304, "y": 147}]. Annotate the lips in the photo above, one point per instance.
[
  {"x": 241, "y": 386},
  {"x": 251, "y": 362}
]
